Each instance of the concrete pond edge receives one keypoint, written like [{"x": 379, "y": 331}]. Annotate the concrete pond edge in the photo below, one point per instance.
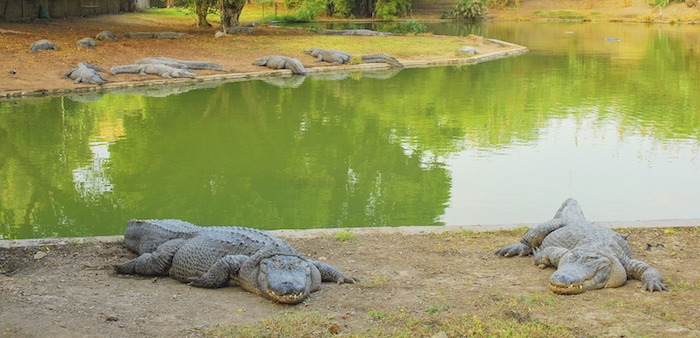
[
  {"x": 237, "y": 77},
  {"x": 399, "y": 230}
]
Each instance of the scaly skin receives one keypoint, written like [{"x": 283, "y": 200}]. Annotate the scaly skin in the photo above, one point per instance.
[
  {"x": 281, "y": 62},
  {"x": 161, "y": 70},
  {"x": 175, "y": 63},
  {"x": 86, "y": 73},
  {"x": 587, "y": 256},
  {"x": 213, "y": 257},
  {"x": 339, "y": 57}
]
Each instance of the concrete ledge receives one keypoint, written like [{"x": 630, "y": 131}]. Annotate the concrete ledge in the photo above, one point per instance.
[{"x": 402, "y": 230}]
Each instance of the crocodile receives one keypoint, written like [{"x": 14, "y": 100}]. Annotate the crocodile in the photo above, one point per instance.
[
  {"x": 175, "y": 63},
  {"x": 106, "y": 35},
  {"x": 86, "y": 43},
  {"x": 86, "y": 73},
  {"x": 153, "y": 69},
  {"x": 587, "y": 255},
  {"x": 281, "y": 62},
  {"x": 42, "y": 44},
  {"x": 340, "y": 57},
  {"x": 213, "y": 257}
]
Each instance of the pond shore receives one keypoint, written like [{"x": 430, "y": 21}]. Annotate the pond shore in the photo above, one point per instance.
[{"x": 371, "y": 231}]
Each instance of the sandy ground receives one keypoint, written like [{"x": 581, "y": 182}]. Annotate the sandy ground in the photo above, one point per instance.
[
  {"x": 71, "y": 290},
  {"x": 41, "y": 72}
]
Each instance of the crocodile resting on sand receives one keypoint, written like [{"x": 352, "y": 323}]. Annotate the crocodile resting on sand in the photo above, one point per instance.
[
  {"x": 340, "y": 57},
  {"x": 86, "y": 73},
  {"x": 213, "y": 257},
  {"x": 161, "y": 70},
  {"x": 281, "y": 62},
  {"x": 587, "y": 256},
  {"x": 175, "y": 63}
]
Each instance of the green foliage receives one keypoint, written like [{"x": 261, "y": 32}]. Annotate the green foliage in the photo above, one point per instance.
[
  {"x": 502, "y": 4},
  {"x": 412, "y": 27},
  {"x": 468, "y": 9},
  {"x": 342, "y": 8},
  {"x": 344, "y": 235},
  {"x": 306, "y": 11},
  {"x": 391, "y": 9}
]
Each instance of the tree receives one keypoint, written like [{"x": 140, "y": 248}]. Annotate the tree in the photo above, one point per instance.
[{"x": 230, "y": 11}]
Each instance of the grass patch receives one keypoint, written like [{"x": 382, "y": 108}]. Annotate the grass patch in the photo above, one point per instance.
[
  {"x": 563, "y": 15},
  {"x": 295, "y": 324},
  {"x": 344, "y": 235}
]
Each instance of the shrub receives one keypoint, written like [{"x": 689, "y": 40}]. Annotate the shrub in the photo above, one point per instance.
[{"x": 468, "y": 9}]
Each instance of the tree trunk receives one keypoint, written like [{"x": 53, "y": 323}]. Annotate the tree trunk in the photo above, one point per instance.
[
  {"x": 230, "y": 11},
  {"x": 201, "y": 9}
]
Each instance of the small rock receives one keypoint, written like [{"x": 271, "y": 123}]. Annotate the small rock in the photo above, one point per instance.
[
  {"x": 40, "y": 255},
  {"x": 440, "y": 334}
]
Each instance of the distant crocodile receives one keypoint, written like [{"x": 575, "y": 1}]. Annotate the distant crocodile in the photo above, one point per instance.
[
  {"x": 86, "y": 73},
  {"x": 588, "y": 256},
  {"x": 281, "y": 62},
  {"x": 175, "y": 63},
  {"x": 157, "y": 35},
  {"x": 106, "y": 35},
  {"x": 86, "y": 43},
  {"x": 340, "y": 57},
  {"x": 42, "y": 44},
  {"x": 213, "y": 257},
  {"x": 153, "y": 69}
]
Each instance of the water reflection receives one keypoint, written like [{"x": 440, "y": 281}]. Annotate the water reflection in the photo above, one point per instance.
[{"x": 610, "y": 123}]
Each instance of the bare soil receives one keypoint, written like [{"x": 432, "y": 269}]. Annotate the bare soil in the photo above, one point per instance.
[
  {"x": 23, "y": 71},
  {"x": 71, "y": 290}
]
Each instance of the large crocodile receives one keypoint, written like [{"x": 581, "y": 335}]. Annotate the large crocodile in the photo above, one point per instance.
[
  {"x": 341, "y": 57},
  {"x": 587, "y": 256},
  {"x": 214, "y": 257},
  {"x": 175, "y": 63},
  {"x": 161, "y": 70},
  {"x": 86, "y": 73},
  {"x": 281, "y": 62}
]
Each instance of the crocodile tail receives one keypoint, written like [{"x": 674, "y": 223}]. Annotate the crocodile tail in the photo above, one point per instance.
[
  {"x": 295, "y": 66},
  {"x": 381, "y": 58},
  {"x": 130, "y": 69}
]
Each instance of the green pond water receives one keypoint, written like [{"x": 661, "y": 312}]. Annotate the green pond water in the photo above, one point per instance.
[{"x": 614, "y": 124}]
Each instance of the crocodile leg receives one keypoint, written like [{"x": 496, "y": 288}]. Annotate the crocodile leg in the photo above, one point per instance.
[
  {"x": 331, "y": 274},
  {"x": 650, "y": 277},
  {"x": 220, "y": 273},
  {"x": 155, "y": 263},
  {"x": 532, "y": 239},
  {"x": 550, "y": 256}
]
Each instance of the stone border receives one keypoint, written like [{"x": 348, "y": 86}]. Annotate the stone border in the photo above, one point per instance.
[
  {"x": 402, "y": 230},
  {"x": 235, "y": 77}
]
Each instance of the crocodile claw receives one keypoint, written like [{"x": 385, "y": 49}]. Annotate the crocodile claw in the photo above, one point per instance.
[
  {"x": 515, "y": 249},
  {"x": 652, "y": 281}
]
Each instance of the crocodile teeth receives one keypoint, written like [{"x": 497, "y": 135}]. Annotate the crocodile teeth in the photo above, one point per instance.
[
  {"x": 288, "y": 297},
  {"x": 571, "y": 288}
]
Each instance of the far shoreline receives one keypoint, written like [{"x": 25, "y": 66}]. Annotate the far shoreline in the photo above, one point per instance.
[{"x": 245, "y": 76}]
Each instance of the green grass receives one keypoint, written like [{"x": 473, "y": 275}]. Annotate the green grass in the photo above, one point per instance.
[
  {"x": 563, "y": 15},
  {"x": 305, "y": 323}
]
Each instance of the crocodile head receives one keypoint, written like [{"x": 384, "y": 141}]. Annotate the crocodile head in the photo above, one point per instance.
[
  {"x": 579, "y": 271},
  {"x": 285, "y": 278}
]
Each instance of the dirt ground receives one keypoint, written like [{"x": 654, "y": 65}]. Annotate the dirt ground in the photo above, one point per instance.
[
  {"x": 42, "y": 71},
  {"x": 22, "y": 71},
  {"x": 71, "y": 290}
]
